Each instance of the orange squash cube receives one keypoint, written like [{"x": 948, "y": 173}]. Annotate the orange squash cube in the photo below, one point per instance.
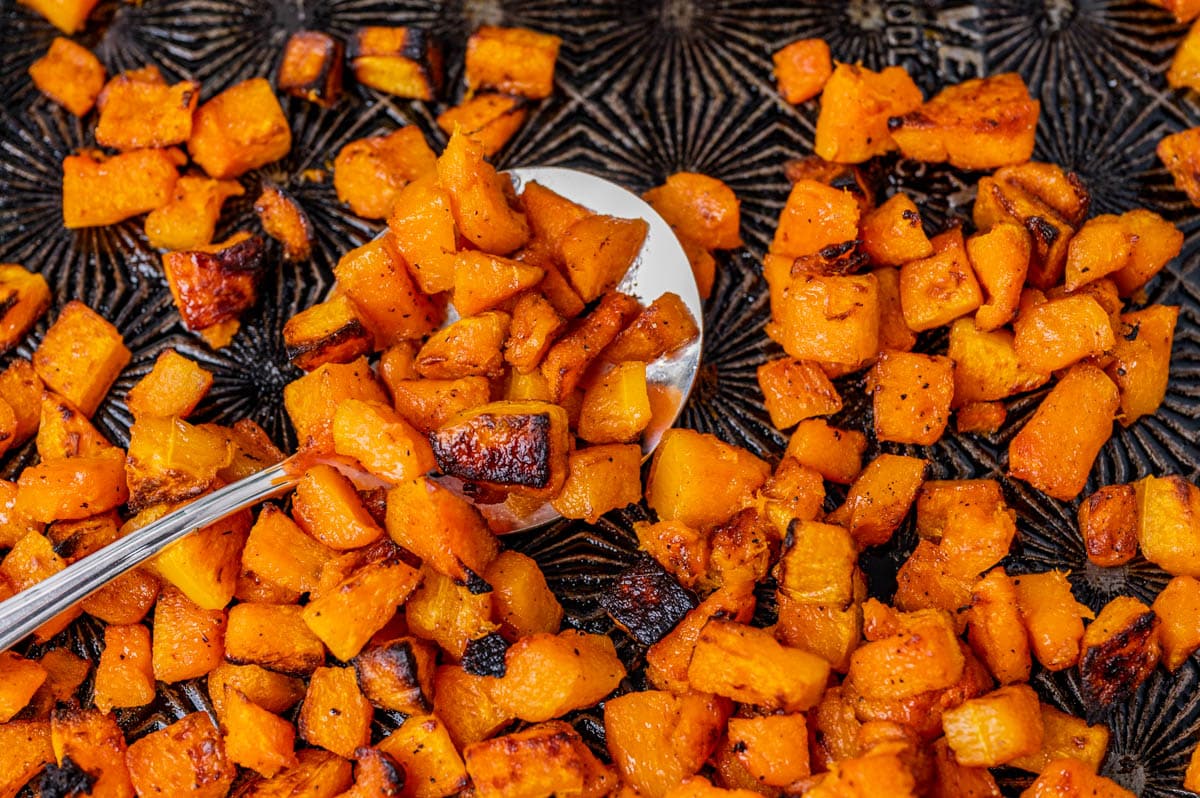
[
  {"x": 21, "y": 389},
  {"x": 205, "y": 564},
  {"x": 1158, "y": 241},
  {"x": 773, "y": 748},
  {"x": 1179, "y": 151},
  {"x": 814, "y": 217},
  {"x": 912, "y": 395},
  {"x": 125, "y": 673},
  {"x": 327, "y": 506},
  {"x": 699, "y": 480},
  {"x": 831, "y": 319},
  {"x": 284, "y": 220},
  {"x": 348, "y": 615},
  {"x": 801, "y": 69},
  {"x": 1055, "y": 450},
  {"x": 598, "y": 250},
  {"x": 256, "y": 738},
  {"x": 189, "y": 219},
  {"x": 1168, "y": 518},
  {"x": 462, "y": 703},
  {"x": 26, "y": 295},
  {"x": 512, "y": 61},
  {"x": 335, "y": 715},
  {"x": 403, "y": 61},
  {"x": 428, "y": 404},
  {"x": 545, "y": 759},
  {"x": 445, "y": 531},
  {"x": 144, "y": 114},
  {"x": 425, "y": 234},
  {"x": 996, "y": 630},
  {"x": 274, "y": 692},
  {"x": 99, "y": 190},
  {"x": 794, "y": 390},
  {"x": 548, "y": 675},
  {"x": 1142, "y": 359},
  {"x": 1178, "y": 609},
  {"x": 567, "y": 360},
  {"x": 748, "y": 665},
  {"x": 95, "y": 744},
  {"x": 664, "y": 326},
  {"x": 616, "y": 408},
  {"x": 879, "y": 498},
  {"x": 69, "y": 16},
  {"x": 1000, "y": 259},
  {"x": 20, "y": 678},
  {"x": 1060, "y": 332},
  {"x": 385, "y": 444},
  {"x": 398, "y": 674},
  {"x": 273, "y": 636},
  {"x": 279, "y": 551},
  {"x": 369, "y": 173},
  {"x": 188, "y": 641},
  {"x": 432, "y": 765},
  {"x": 1108, "y": 522},
  {"x": 125, "y": 600},
  {"x": 922, "y": 654},
  {"x": 936, "y": 290},
  {"x": 189, "y": 751},
  {"x": 522, "y": 602},
  {"x": 240, "y": 129},
  {"x": 376, "y": 280},
  {"x": 836, "y": 454},
  {"x": 173, "y": 387},
  {"x": 995, "y": 728},
  {"x": 71, "y": 488},
  {"x": 700, "y": 208},
  {"x": 81, "y": 356},
  {"x": 599, "y": 479},
  {"x": 490, "y": 119},
  {"x": 327, "y": 332},
  {"x": 170, "y": 460},
  {"x": 892, "y": 234},
  {"x": 480, "y": 198},
  {"x": 69, "y": 74},
  {"x": 1053, "y": 618},
  {"x": 986, "y": 365},
  {"x": 483, "y": 282},
  {"x": 667, "y": 660},
  {"x": 535, "y": 326},
  {"x": 311, "y": 67},
  {"x": 856, "y": 105},
  {"x": 312, "y": 400}
]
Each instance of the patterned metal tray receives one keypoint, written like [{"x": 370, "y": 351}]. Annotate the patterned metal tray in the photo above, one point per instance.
[{"x": 646, "y": 88}]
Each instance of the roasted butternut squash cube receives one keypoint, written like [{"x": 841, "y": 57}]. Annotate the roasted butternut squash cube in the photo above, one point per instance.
[
  {"x": 818, "y": 565},
  {"x": 616, "y": 407},
  {"x": 188, "y": 220},
  {"x": 545, "y": 759},
  {"x": 490, "y": 119},
  {"x": 189, "y": 751},
  {"x": 171, "y": 460},
  {"x": 836, "y": 454},
  {"x": 667, "y": 660},
  {"x": 969, "y": 521},
  {"x": 99, "y": 190},
  {"x": 567, "y": 360},
  {"x": 830, "y": 631},
  {"x": 274, "y": 692},
  {"x": 463, "y": 704},
  {"x": 273, "y": 636},
  {"x": 125, "y": 600},
  {"x": 773, "y": 748},
  {"x": 794, "y": 390},
  {"x": 69, "y": 74},
  {"x": 521, "y": 600},
  {"x": 205, "y": 564},
  {"x": 21, "y": 388},
  {"x": 1000, "y": 260},
  {"x": 1108, "y": 523},
  {"x": 68, "y": 16},
  {"x": 94, "y": 743},
  {"x": 423, "y": 227},
  {"x": 141, "y": 114},
  {"x": 982, "y": 123},
  {"x": 894, "y": 333},
  {"x": 398, "y": 675},
  {"x": 445, "y": 531},
  {"x": 856, "y": 105},
  {"x": 80, "y": 356},
  {"x": 429, "y": 762},
  {"x": 483, "y": 282},
  {"x": 814, "y": 217},
  {"x": 279, "y": 551},
  {"x": 1168, "y": 524},
  {"x": 700, "y": 208},
  {"x": 403, "y": 61},
  {"x": 466, "y": 348},
  {"x": 319, "y": 773},
  {"x": 369, "y": 173},
  {"x": 657, "y": 739},
  {"x": 801, "y": 69},
  {"x": 547, "y": 675},
  {"x": 1179, "y": 630},
  {"x": 72, "y": 488},
  {"x": 912, "y": 395},
  {"x": 598, "y": 250},
  {"x": 1118, "y": 652},
  {"x": 376, "y": 773},
  {"x": 1066, "y": 737},
  {"x": 1102, "y": 246},
  {"x": 24, "y": 750},
  {"x": 335, "y": 715},
  {"x": 923, "y": 654},
  {"x": 481, "y": 199},
  {"x": 748, "y": 665},
  {"x": 1142, "y": 360},
  {"x": 428, "y": 404},
  {"x": 996, "y": 630},
  {"x": 1055, "y": 450},
  {"x": 879, "y": 498},
  {"x": 986, "y": 364},
  {"x": 125, "y": 673},
  {"x": 699, "y": 480},
  {"x": 173, "y": 387},
  {"x": 534, "y": 328},
  {"x": 188, "y": 641},
  {"x": 327, "y": 506},
  {"x": 1060, "y": 332},
  {"x": 995, "y": 728},
  {"x": 678, "y": 548},
  {"x": 1180, "y": 152},
  {"x": 255, "y": 738},
  {"x": 284, "y": 220},
  {"x": 65, "y": 672},
  {"x": 892, "y": 234},
  {"x": 512, "y": 61},
  {"x": 214, "y": 284},
  {"x": 328, "y": 332},
  {"x": 376, "y": 280},
  {"x": 664, "y": 326},
  {"x": 599, "y": 479},
  {"x": 1052, "y": 617},
  {"x": 312, "y": 400},
  {"x": 936, "y": 290},
  {"x": 21, "y": 679},
  {"x": 385, "y": 444},
  {"x": 347, "y": 616},
  {"x": 832, "y": 319},
  {"x": 24, "y": 297},
  {"x": 240, "y": 129},
  {"x": 311, "y": 67},
  {"x": 982, "y": 418}
]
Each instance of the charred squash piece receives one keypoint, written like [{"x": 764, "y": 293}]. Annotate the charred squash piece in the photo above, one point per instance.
[
  {"x": 376, "y": 775},
  {"x": 328, "y": 332},
  {"x": 490, "y": 119},
  {"x": 93, "y": 742},
  {"x": 285, "y": 221},
  {"x": 24, "y": 297},
  {"x": 189, "y": 751},
  {"x": 213, "y": 285},
  {"x": 546, "y": 759},
  {"x": 398, "y": 675},
  {"x": 1118, "y": 652},
  {"x": 647, "y": 601},
  {"x": 311, "y": 67},
  {"x": 69, "y": 74},
  {"x": 171, "y": 460},
  {"x": 514, "y": 445},
  {"x": 369, "y": 174},
  {"x": 406, "y": 62},
  {"x": 512, "y": 60},
  {"x": 141, "y": 114},
  {"x": 99, "y": 190},
  {"x": 1108, "y": 524},
  {"x": 240, "y": 129},
  {"x": 452, "y": 615},
  {"x": 63, "y": 431},
  {"x": 423, "y": 749},
  {"x": 319, "y": 774}
]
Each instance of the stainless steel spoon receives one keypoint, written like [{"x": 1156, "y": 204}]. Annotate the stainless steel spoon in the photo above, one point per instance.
[{"x": 661, "y": 266}]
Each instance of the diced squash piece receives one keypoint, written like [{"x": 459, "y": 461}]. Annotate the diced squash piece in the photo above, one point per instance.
[
  {"x": 432, "y": 765},
  {"x": 1102, "y": 246},
  {"x": 894, "y": 333},
  {"x": 328, "y": 332},
  {"x": 773, "y": 748},
  {"x": 205, "y": 564},
  {"x": 142, "y": 114},
  {"x": 856, "y": 105},
  {"x": 240, "y": 129},
  {"x": 32, "y": 559},
  {"x": 369, "y": 173},
  {"x": 376, "y": 773},
  {"x": 996, "y": 630},
  {"x": 912, "y": 395},
  {"x": 188, "y": 641},
  {"x": 700, "y": 208},
  {"x": 982, "y": 123},
  {"x": 983, "y": 418},
  {"x": 65, "y": 672},
  {"x": 428, "y": 404},
  {"x": 20, "y": 678},
  {"x": 923, "y": 654},
  {"x": 444, "y": 530},
  {"x": 170, "y": 460},
  {"x": 534, "y": 328},
  {"x": 1168, "y": 519},
  {"x": 1060, "y": 332},
  {"x": 483, "y": 282},
  {"x": 616, "y": 407},
  {"x": 1108, "y": 523},
  {"x": 545, "y": 759},
  {"x": 99, "y": 190},
  {"x": 24, "y": 750},
  {"x": 657, "y": 739},
  {"x": 1069, "y": 776},
  {"x": 346, "y": 617},
  {"x": 273, "y": 636},
  {"x": 490, "y": 119},
  {"x": 21, "y": 389},
  {"x": 256, "y": 738},
  {"x": 284, "y": 220},
  {"x": 969, "y": 521},
  {"x": 699, "y": 480},
  {"x": 1066, "y": 736},
  {"x": 892, "y": 234},
  {"x": 398, "y": 675},
  {"x": 879, "y": 498},
  {"x": 125, "y": 673},
  {"x": 376, "y": 280},
  {"x": 986, "y": 366},
  {"x": 794, "y": 390},
  {"x": 480, "y": 198},
  {"x": 801, "y": 69},
  {"x": 547, "y": 675},
  {"x": 678, "y": 548},
  {"x": 188, "y": 220},
  {"x": 830, "y": 631},
  {"x": 385, "y": 444},
  {"x": 748, "y": 665},
  {"x": 995, "y": 728},
  {"x": 274, "y": 692},
  {"x": 69, "y": 74},
  {"x": 81, "y": 354},
  {"x": 599, "y": 479},
  {"x": 1000, "y": 260},
  {"x": 63, "y": 431},
  {"x": 311, "y": 67},
  {"x": 14, "y": 524},
  {"x": 836, "y": 454},
  {"x": 1158, "y": 241},
  {"x": 936, "y": 290},
  {"x": 320, "y": 774},
  {"x": 1178, "y": 151},
  {"x": 76, "y": 487},
  {"x": 466, "y": 348},
  {"x": 95, "y": 744},
  {"x": 423, "y": 228},
  {"x": 665, "y": 326},
  {"x": 454, "y": 616},
  {"x": 598, "y": 250},
  {"x": 462, "y": 702},
  {"x": 1118, "y": 652},
  {"x": 312, "y": 400},
  {"x": 189, "y": 751},
  {"x": 667, "y": 660},
  {"x": 403, "y": 61},
  {"x": 814, "y": 217},
  {"x": 214, "y": 284},
  {"x": 1142, "y": 360},
  {"x": 173, "y": 387},
  {"x": 1055, "y": 450},
  {"x": 818, "y": 564},
  {"x": 335, "y": 715},
  {"x": 1178, "y": 609},
  {"x": 567, "y": 360},
  {"x": 1052, "y": 617},
  {"x": 512, "y": 61},
  {"x": 522, "y": 601},
  {"x": 126, "y": 599},
  {"x": 832, "y": 319}
]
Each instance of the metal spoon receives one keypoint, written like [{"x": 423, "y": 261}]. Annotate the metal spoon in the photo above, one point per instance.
[{"x": 661, "y": 266}]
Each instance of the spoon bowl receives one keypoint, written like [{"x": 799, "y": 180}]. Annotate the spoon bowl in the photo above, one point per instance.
[{"x": 661, "y": 267}]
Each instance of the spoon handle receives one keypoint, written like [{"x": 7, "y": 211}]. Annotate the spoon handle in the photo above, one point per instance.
[{"x": 29, "y": 609}]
